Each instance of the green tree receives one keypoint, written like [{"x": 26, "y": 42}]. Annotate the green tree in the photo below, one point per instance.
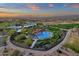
[
  {"x": 5, "y": 40},
  {"x": 12, "y": 31},
  {"x": 20, "y": 38},
  {"x": 24, "y": 31},
  {"x": 28, "y": 42}
]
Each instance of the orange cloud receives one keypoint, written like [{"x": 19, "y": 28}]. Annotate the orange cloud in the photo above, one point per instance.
[
  {"x": 15, "y": 15},
  {"x": 9, "y": 15},
  {"x": 33, "y": 7}
]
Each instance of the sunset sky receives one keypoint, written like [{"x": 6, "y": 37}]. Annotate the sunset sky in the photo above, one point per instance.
[{"x": 39, "y": 9}]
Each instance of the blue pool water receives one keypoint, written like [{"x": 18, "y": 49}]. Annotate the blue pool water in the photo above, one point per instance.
[{"x": 43, "y": 35}]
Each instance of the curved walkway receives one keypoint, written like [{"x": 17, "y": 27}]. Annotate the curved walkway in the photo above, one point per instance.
[{"x": 39, "y": 53}]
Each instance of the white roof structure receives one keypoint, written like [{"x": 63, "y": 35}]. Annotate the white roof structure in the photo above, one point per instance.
[
  {"x": 29, "y": 24},
  {"x": 19, "y": 30},
  {"x": 15, "y": 27}
]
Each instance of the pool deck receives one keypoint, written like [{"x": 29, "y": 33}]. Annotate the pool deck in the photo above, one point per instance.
[{"x": 43, "y": 35}]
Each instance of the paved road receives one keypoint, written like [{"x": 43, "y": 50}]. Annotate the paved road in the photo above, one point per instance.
[
  {"x": 36, "y": 53},
  {"x": 1, "y": 39}
]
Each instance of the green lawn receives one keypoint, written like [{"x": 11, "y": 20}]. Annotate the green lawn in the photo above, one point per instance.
[
  {"x": 66, "y": 26},
  {"x": 5, "y": 24}
]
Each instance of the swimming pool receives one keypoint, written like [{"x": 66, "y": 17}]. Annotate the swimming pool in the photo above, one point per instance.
[{"x": 43, "y": 35}]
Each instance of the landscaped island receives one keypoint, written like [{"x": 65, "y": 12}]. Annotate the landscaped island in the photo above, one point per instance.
[{"x": 36, "y": 36}]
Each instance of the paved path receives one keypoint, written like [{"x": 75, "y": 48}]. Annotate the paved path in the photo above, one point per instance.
[
  {"x": 33, "y": 44},
  {"x": 1, "y": 38},
  {"x": 39, "y": 53}
]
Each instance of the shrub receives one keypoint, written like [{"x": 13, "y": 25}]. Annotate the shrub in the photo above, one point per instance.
[
  {"x": 16, "y": 53},
  {"x": 11, "y": 32},
  {"x": 20, "y": 38},
  {"x": 28, "y": 42},
  {"x": 24, "y": 30}
]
